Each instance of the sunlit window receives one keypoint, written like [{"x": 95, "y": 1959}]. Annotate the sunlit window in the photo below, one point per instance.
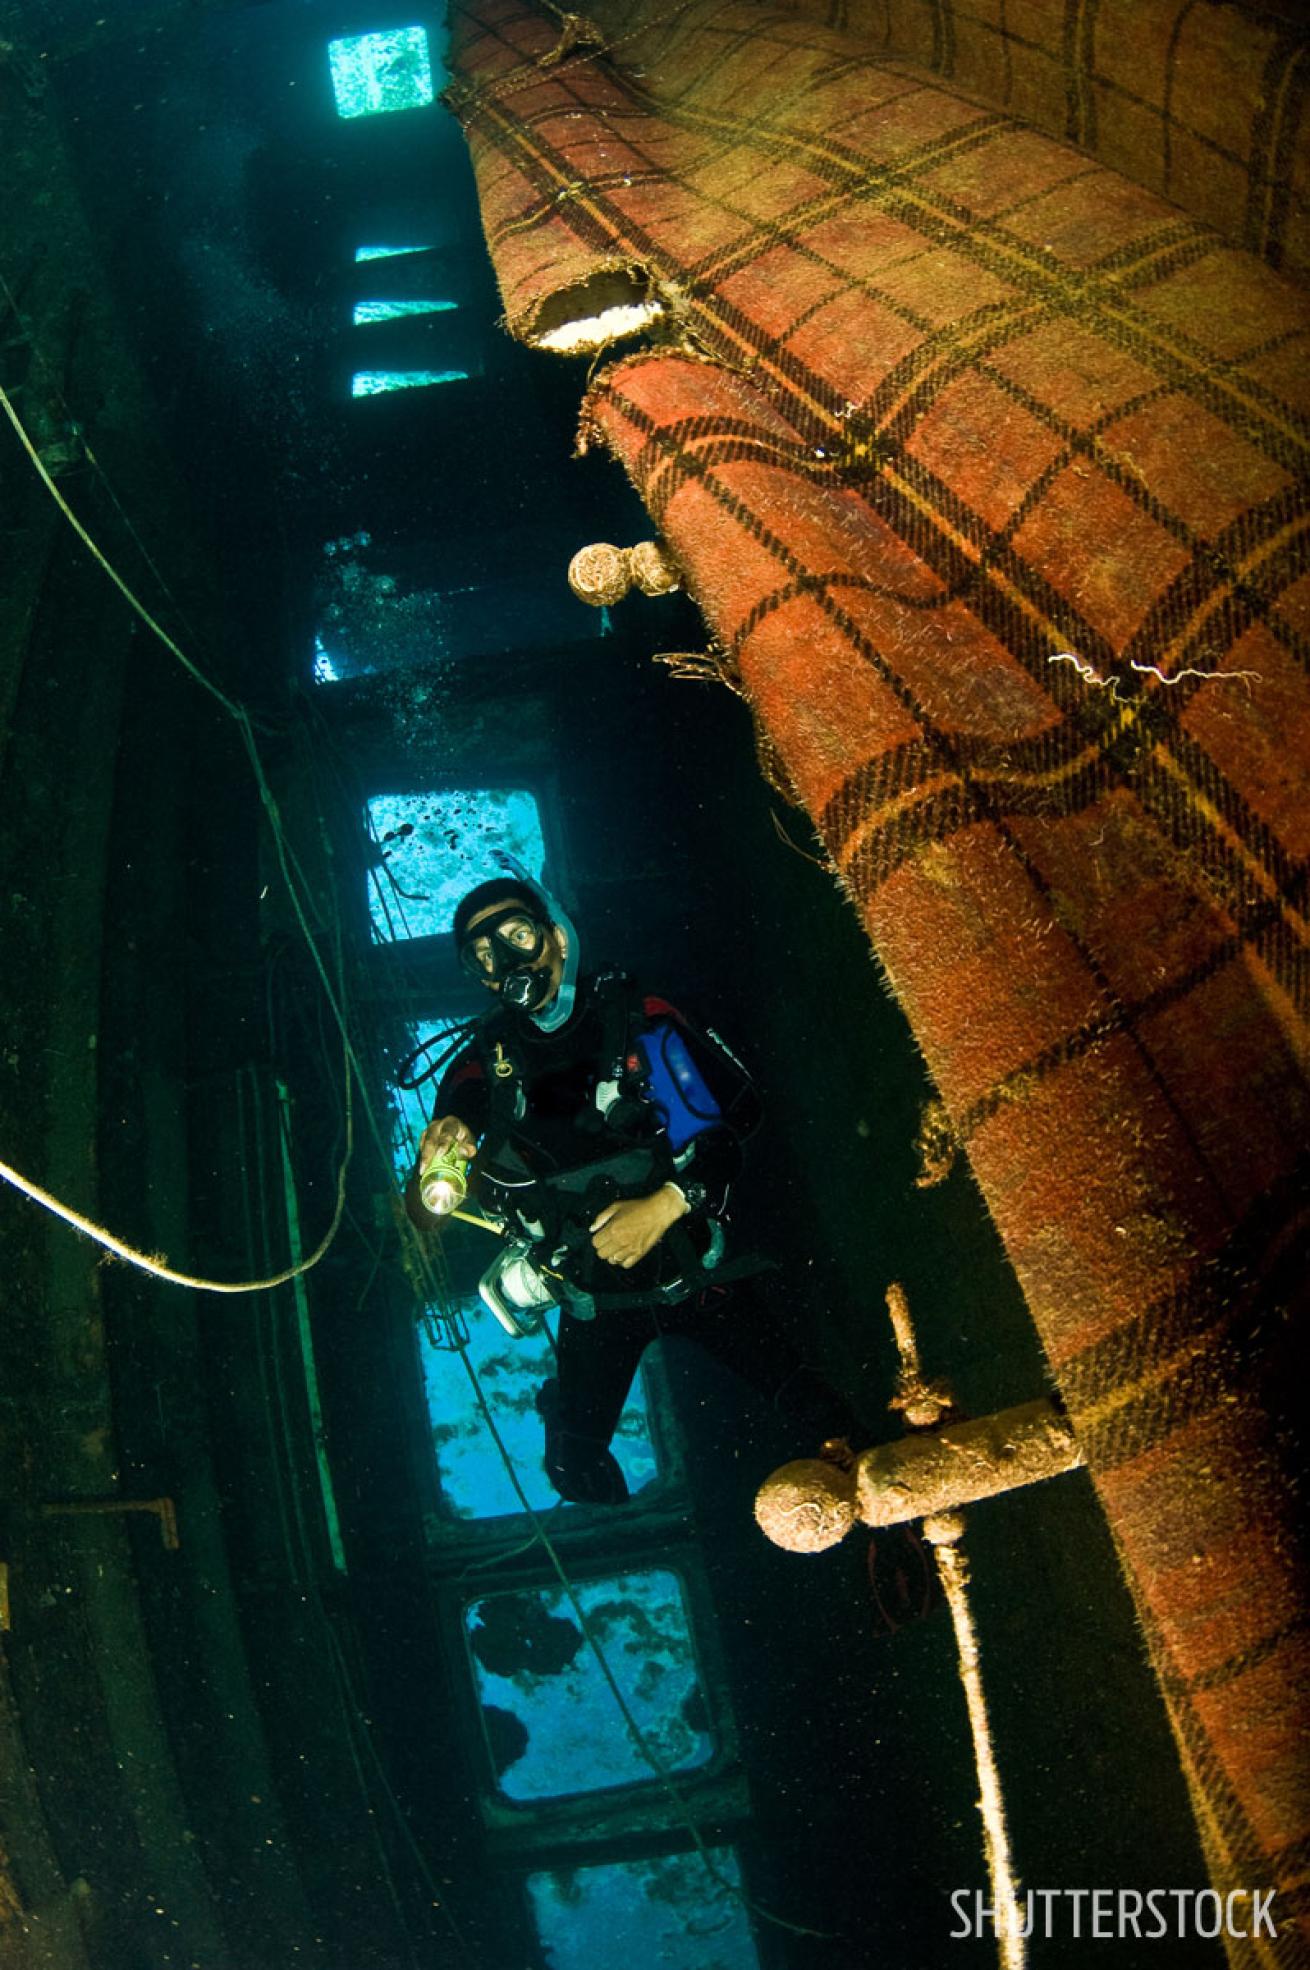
[
  {"x": 372, "y": 73},
  {"x": 367, "y": 311},
  {"x": 670, "y": 1910},
  {"x": 548, "y": 1712},
  {"x": 387, "y": 252},
  {"x": 471, "y": 1471},
  {"x": 472, "y": 1474},
  {"x": 432, "y": 848},
  {"x": 377, "y": 382}
]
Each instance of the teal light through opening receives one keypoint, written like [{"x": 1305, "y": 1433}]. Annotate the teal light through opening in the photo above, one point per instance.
[
  {"x": 376, "y": 382},
  {"x": 671, "y": 1910},
  {"x": 374, "y": 73},
  {"x": 546, "y": 1698},
  {"x": 471, "y": 1471},
  {"x": 387, "y": 252},
  {"x": 475, "y": 1483},
  {"x": 366, "y": 311},
  {"x": 435, "y": 847}
]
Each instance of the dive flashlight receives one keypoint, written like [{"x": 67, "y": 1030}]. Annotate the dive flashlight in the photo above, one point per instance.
[{"x": 443, "y": 1183}]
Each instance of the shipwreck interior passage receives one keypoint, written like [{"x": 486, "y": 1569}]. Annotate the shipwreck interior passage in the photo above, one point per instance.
[{"x": 946, "y": 754}]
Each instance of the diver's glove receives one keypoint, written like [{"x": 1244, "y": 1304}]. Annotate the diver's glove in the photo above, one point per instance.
[{"x": 581, "y": 1468}]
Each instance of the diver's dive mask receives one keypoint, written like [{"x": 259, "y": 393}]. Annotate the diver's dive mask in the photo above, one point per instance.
[{"x": 503, "y": 949}]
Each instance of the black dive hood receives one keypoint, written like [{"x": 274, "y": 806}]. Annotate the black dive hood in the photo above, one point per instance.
[{"x": 525, "y": 989}]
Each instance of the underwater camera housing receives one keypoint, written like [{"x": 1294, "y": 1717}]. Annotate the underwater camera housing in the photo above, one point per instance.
[{"x": 514, "y": 1289}]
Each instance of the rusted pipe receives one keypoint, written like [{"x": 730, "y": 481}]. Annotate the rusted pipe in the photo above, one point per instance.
[{"x": 812, "y": 1504}]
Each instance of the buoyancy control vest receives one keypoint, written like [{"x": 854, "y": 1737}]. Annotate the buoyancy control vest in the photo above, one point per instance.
[{"x": 635, "y": 1102}]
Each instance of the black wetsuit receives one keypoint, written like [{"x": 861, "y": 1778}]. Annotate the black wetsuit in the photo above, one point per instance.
[{"x": 568, "y": 1124}]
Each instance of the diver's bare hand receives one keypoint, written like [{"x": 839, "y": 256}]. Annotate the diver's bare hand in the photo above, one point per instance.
[
  {"x": 441, "y": 1133},
  {"x": 625, "y": 1232}
]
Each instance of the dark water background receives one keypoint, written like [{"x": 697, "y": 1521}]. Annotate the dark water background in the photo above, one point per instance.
[{"x": 226, "y": 199}]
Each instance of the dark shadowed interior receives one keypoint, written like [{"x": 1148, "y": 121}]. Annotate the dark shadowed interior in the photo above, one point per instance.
[{"x": 291, "y": 1735}]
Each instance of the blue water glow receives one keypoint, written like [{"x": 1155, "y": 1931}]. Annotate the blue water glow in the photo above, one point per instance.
[
  {"x": 531, "y": 1659},
  {"x": 667, "y": 1910},
  {"x": 389, "y": 252},
  {"x": 375, "y": 73},
  {"x": 379, "y": 382},
  {"x": 437, "y": 846},
  {"x": 367, "y": 311},
  {"x": 471, "y": 1471}
]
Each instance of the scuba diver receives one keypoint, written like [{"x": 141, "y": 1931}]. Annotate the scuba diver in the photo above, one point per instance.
[{"x": 604, "y": 1132}]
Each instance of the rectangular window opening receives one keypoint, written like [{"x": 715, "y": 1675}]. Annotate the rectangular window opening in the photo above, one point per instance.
[
  {"x": 369, "y": 311},
  {"x": 432, "y": 848},
  {"x": 550, "y": 1721},
  {"x": 373, "y": 74},
  {"x": 389, "y": 252},
  {"x": 380, "y": 382},
  {"x": 671, "y": 1910},
  {"x": 471, "y": 1471}
]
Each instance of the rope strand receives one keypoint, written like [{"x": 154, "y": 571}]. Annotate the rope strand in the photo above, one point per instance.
[
  {"x": 157, "y": 1267},
  {"x": 354, "y": 1075}
]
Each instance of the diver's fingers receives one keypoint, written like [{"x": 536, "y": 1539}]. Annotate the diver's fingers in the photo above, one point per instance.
[
  {"x": 447, "y": 1129},
  {"x": 604, "y": 1217}
]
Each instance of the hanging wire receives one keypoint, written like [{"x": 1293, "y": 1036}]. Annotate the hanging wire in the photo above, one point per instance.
[
  {"x": 193, "y": 670},
  {"x": 158, "y": 1268},
  {"x": 641, "y": 1741},
  {"x": 294, "y": 879},
  {"x": 440, "y": 1313},
  {"x": 50, "y": 384},
  {"x": 290, "y": 872},
  {"x": 420, "y": 1252},
  {"x": 541, "y": 1538}
]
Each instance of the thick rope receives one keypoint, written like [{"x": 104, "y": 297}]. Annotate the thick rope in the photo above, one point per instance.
[
  {"x": 159, "y": 1269},
  {"x": 640, "y": 1739},
  {"x": 924, "y": 1404},
  {"x": 146, "y": 1262},
  {"x": 944, "y": 1533}
]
